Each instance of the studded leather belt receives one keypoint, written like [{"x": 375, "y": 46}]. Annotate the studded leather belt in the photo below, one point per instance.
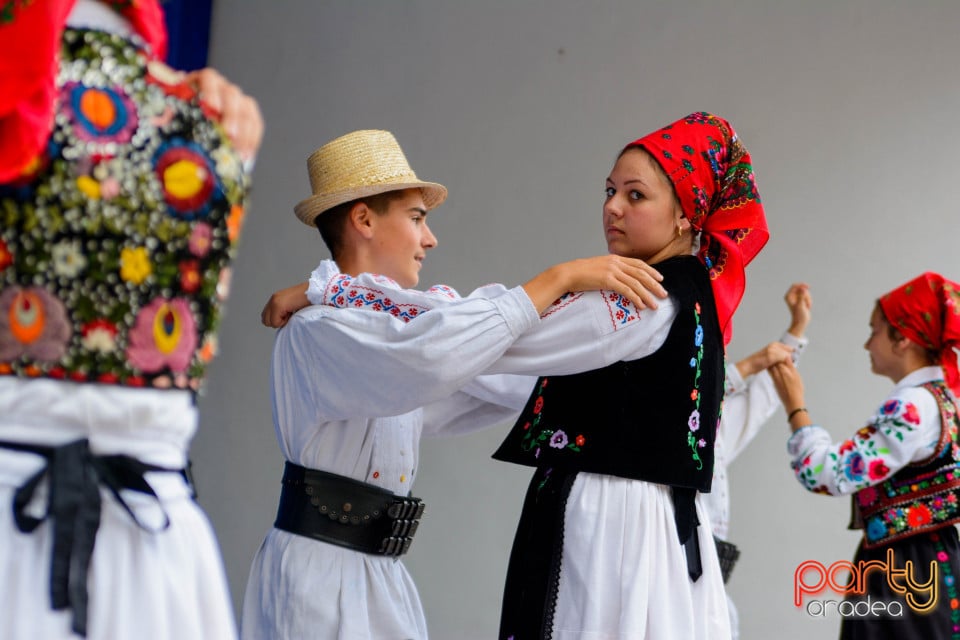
[{"x": 346, "y": 512}]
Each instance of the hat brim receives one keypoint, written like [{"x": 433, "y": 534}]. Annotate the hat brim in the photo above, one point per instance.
[{"x": 307, "y": 210}]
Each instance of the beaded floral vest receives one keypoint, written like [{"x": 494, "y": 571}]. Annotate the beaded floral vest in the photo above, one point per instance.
[
  {"x": 114, "y": 247},
  {"x": 920, "y": 497},
  {"x": 652, "y": 419}
]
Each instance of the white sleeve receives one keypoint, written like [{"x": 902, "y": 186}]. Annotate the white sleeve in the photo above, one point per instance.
[
  {"x": 373, "y": 292},
  {"x": 579, "y": 332},
  {"x": 484, "y": 402},
  {"x": 363, "y": 364},
  {"x": 586, "y": 331},
  {"x": 798, "y": 344},
  {"x": 745, "y": 413},
  {"x": 749, "y": 404}
]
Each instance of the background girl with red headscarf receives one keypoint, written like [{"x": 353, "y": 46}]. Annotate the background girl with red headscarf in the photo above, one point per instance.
[
  {"x": 121, "y": 188},
  {"x": 903, "y": 467},
  {"x": 609, "y": 543}
]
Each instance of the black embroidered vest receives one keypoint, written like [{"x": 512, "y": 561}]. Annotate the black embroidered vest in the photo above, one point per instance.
[
  {"x": 652, "y": 419},
  {"x": 920, "y": 497}
]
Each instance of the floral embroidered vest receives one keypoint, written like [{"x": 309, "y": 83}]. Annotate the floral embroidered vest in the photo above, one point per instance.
[
  {"x": 114, "y": 247},
  {"x": 924, "y": 495},
  {"x": 652, "y": 419}
]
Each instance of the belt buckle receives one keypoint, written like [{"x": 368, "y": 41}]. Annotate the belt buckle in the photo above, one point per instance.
[{"x": 406, "y": 514}]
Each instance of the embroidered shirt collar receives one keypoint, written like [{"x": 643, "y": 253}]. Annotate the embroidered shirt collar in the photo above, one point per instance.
[{"x": 328, "y": 269}]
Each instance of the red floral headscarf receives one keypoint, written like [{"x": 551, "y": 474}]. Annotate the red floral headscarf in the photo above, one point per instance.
[
  {"x": 30, "y": 32},
  {"x": 926, "y": 311},
  {"x": 713, "y": 178}
]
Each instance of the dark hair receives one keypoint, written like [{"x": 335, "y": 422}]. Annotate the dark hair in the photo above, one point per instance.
[{"x": 332, "y": 222}]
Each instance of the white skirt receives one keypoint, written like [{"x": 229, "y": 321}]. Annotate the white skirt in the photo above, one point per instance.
[
  {"x": 150, "y": 585},
  {"x": 624, "y": 573},
  {"x": 168, "y": 585}
]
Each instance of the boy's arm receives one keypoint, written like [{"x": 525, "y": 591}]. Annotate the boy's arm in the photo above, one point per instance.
[
  {"x": 485, "y": 401},
  {"x": 578, "y": 332},
  {"x": 632, "y": 279},
  {"x": 353, "y": 363}
]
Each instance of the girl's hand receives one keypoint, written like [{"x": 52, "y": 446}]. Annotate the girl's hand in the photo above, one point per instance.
[{"x": 283, "y": 304}]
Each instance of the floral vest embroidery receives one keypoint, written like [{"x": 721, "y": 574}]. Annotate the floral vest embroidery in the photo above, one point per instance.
[
  {"x": 114, "y": 248},
  {"x": 652, "y": 419},
  {"x": 921, "y": 497}
]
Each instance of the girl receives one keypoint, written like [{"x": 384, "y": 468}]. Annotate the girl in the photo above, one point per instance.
[{"x": 902, "y": 467}]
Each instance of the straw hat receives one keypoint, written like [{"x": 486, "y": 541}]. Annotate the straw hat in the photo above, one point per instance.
[{"x": 360, "y": 164}]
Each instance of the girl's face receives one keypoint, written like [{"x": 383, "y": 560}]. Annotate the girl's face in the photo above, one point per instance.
[
  {"x": 883, "y": 359},
  {"x": 641, "y": 214}
]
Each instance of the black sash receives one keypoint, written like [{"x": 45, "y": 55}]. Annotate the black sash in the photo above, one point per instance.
[{"x": 73, "y": 506}]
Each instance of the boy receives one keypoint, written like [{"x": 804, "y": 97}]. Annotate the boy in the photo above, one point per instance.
[{"x": 349, "y": 423}]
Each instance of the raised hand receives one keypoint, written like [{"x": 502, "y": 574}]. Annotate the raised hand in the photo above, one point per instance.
[{"x": 799, "y": 302}]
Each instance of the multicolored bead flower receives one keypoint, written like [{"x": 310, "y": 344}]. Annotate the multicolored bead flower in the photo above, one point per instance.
[
  {"x": 163, "y": 335},
  {"x": 68, "y": 258},
  {"x": 99, "y": 335},
  {"x": 100, "y": 114},
  {"x": 33, "y": 323},
  {"x": 186, "y": 177},
  {"x": 135, "y": 266}
]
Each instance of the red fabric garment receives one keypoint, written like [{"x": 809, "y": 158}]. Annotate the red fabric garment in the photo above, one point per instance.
[
  {"x": 29, "y": 45},
  {"x": 926, "y": 311},
  {"x": 713, "y": 178}
]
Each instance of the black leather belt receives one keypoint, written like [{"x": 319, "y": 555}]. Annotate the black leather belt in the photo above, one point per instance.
[
  {"x": 346, "y": 512},
  {"x": 74, "y": 476}
]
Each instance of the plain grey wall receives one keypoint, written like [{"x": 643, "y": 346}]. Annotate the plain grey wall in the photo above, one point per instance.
[{"x": 849, "y": 108}]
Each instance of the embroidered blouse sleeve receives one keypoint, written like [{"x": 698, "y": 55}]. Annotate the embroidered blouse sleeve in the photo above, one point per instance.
[
  {"x": 579, "y": 332},
  {"x": 585, "y": 331},
  {"x": 904, "y": 430},
  {"x": 360, "y": 364}
]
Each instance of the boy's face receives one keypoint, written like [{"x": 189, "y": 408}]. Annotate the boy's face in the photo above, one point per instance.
[{"x": 402, "y": 238}]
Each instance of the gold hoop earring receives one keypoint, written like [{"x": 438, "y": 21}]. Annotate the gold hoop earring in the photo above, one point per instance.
[{"x": 679, "y": 231}]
